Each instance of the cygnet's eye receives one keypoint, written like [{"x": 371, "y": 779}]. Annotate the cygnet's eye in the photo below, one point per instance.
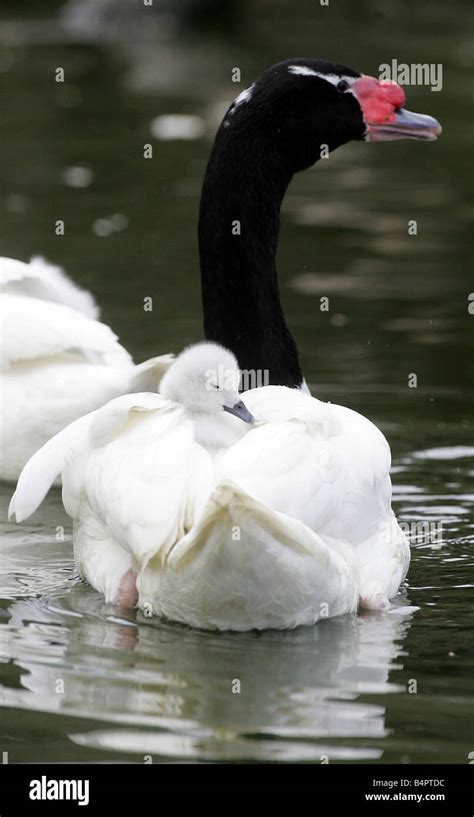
[{"x": 342, "y": 86}]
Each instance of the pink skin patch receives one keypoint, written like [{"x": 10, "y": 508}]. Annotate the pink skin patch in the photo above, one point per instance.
[
  {"x": 127, "y": 593},
  {"x": 378, "y": 99},
  {"x": 376, "y": 601}
]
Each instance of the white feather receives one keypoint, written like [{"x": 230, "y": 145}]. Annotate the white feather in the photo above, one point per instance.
[
  {"x": 277, "y": 574},
  {"x": 329, "y": 467},
  {"x": 35, "y": 329},
  {"x": 40, "y": 279},
  {"x": 285, "y": 526},
  {"x": 57, "y": 362},
  {"x": 42, "y": 469}
]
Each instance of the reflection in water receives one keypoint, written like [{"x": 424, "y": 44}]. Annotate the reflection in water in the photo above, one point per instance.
[
  {"x": 162, "y": 689},
  {"x": 168, "y": 690},
  {"x": 398, "y": 304}
]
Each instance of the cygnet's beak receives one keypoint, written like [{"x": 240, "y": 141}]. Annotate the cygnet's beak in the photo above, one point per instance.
[{"x": 241, "y": 411}]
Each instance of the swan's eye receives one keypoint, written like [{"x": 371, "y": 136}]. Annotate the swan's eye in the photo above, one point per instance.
[{"x": 342, "y": 86}]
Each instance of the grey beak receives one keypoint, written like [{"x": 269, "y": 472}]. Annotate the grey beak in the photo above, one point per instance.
[
  {"x": 241, "y": 411},
  {"x": 405, "y": 125}
]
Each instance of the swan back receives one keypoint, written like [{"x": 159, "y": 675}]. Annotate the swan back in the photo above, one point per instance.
[{"x": 40, "y": 279}]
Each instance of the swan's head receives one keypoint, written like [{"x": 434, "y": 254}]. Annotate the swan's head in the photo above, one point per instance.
[
  {"x": 303, "y": 108},
  {"x": 205, "y": 380}
]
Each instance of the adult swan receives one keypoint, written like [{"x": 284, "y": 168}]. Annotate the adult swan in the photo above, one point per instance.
[
  {"x": 293, "y": 521},
  {"x": 57, "y": 360}
]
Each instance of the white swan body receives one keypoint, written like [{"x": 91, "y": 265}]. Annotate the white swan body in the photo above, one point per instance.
[
  {"x": 289, "y": 524},
  {"x": 298, "y": 525},
  {"x": 57, "y": 360}
]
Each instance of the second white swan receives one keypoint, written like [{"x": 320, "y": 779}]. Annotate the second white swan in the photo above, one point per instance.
[{"x": 57, "y": 360}]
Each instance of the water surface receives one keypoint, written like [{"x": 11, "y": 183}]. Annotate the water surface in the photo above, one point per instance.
[{"x": 80, "y": 680}]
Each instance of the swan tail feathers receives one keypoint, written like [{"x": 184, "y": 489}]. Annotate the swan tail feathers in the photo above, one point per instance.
[
  {"x": 235, "y": 513},
  {"x": 244, "y": 566}
]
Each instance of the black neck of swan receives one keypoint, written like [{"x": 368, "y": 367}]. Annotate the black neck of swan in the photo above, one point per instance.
[{"x": 239, "y": 223}]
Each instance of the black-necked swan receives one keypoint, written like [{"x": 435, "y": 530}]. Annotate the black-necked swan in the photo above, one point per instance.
[
  {"x": 58, "y": 361},
  {"x": 293, "y": 114},
  {"x": 293, "y": 521}
]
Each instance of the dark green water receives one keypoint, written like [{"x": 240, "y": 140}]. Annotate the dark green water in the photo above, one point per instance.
[{"x": 82, "y": 681}]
